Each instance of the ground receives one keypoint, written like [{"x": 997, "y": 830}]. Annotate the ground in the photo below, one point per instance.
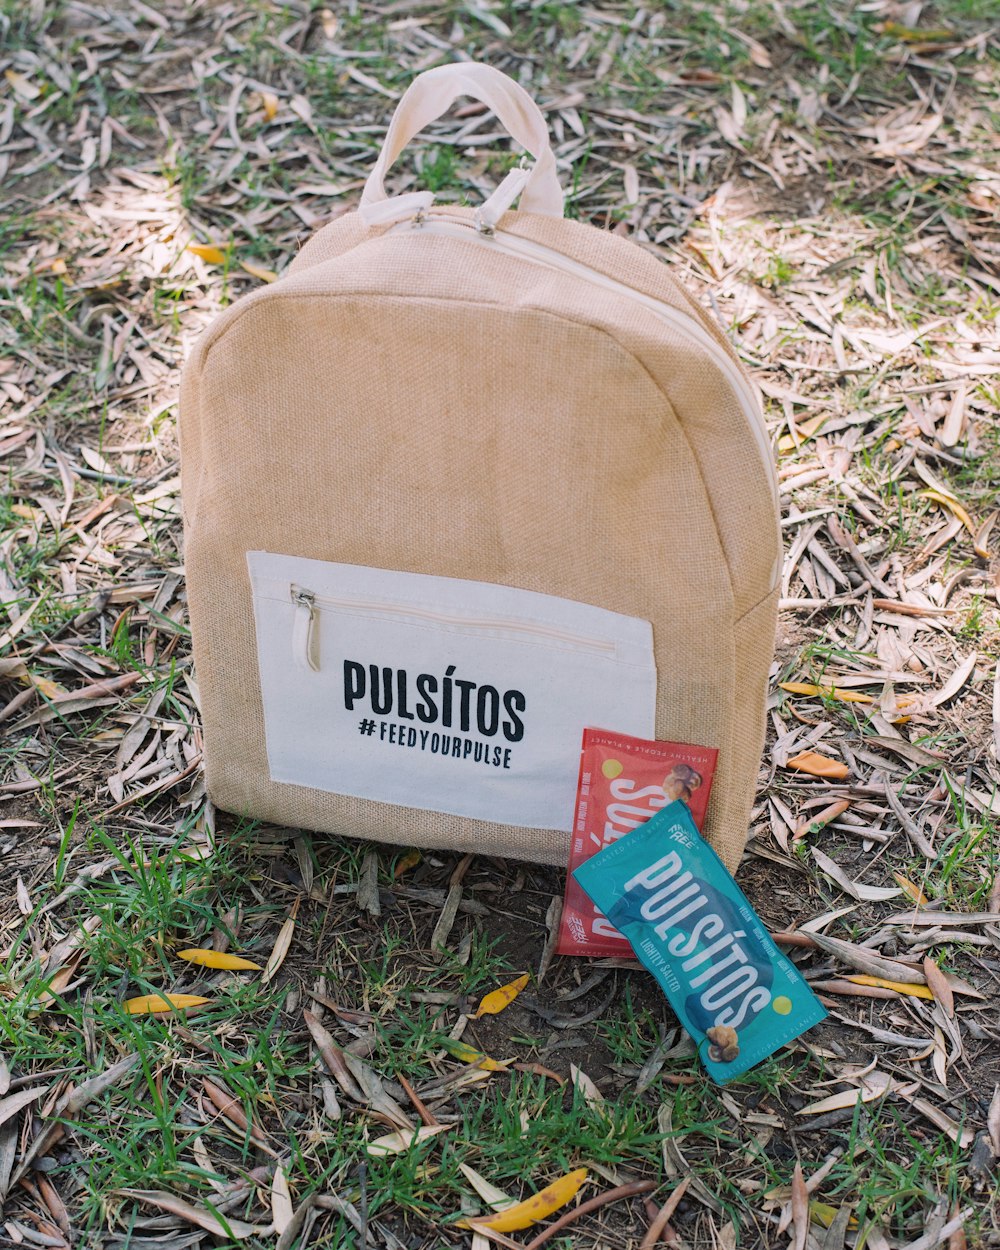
[{"x": 823, "y": 177}]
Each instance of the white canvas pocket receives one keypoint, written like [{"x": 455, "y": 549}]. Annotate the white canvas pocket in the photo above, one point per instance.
[{"x": 441, "y": 694}]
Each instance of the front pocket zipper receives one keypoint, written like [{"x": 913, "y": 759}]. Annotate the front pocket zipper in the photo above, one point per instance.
[{"x": 309, "y": 606}]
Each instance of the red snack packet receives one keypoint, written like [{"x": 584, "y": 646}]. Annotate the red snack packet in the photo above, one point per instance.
[{"x": 623, "y": 781}]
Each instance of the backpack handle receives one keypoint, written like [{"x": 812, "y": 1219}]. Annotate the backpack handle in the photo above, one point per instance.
[{"x": 432, "y": 94}]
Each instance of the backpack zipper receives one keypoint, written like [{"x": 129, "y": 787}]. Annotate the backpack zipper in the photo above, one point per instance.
[
  {"x": 683, "y": 323},
  {"x": 308, "y": 605}
]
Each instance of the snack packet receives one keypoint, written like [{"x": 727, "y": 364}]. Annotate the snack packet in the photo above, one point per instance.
[
  {"x": 690, "y": 924},
  {"x": 623, "y": 781}
]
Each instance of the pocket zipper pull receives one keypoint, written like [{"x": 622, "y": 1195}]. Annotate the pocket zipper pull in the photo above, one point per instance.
[{"x": 305, "y": 630}]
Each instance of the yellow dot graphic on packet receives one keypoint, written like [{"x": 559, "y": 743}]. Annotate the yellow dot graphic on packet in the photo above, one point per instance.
[
  {"x": 782, "y": 1005},
  {"x": 612, "y": 769}
]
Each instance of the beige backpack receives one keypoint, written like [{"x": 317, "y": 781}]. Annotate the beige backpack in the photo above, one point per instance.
[{"x": 458, "y": 485}]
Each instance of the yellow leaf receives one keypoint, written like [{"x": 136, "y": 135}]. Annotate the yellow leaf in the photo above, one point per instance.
[
  {"x": 408, "y": 861},
  {"x": 804, "y": 429},
  {"x": 469, "y": 1054},
  {"x": 497, "y": 1000},
  {"x": 540, "y": 1207},
  {"x": 270, "y": 103},
  {"x": 216, "y": 959},
  {"x": 48, "y": 689},
  {"x": 953, "y": 506},
  {"x": 148, "y": 1004},
  {"x": 214, "y": 255},
  {"x": 21, "y": 85},
  {"x": 819, "y": 765},
  {"x": 830, "y": 692},
  {"x": 901, "y": 987},
  {"x": 914, "y": 891},
  {"x": 258, "y": 271},
  {"x": 823, "y": 1213}
]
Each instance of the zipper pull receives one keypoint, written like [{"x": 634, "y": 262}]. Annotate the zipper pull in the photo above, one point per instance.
[{"x": 305, "y": 629}]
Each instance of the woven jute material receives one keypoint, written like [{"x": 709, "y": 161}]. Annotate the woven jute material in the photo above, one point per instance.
[{"x": 413, "y": 401}]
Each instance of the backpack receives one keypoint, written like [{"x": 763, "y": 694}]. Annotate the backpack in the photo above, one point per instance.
[{"x": 459, "y": 484}]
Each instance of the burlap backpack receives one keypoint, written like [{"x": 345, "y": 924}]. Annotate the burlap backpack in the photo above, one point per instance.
[{"x": 457, "y": 485}]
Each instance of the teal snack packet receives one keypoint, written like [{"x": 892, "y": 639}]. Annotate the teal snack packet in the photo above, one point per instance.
[{"x": 690, "y": 924}]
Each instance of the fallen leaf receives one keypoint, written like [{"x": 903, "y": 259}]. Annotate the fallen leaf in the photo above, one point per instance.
[
  {"x": 821, "y": 819},
  {"x": 495, "y": 1002},
  {"x": 901, "y": 987},
  {"x": 214, "y": 255},
  {"x": 280, "y": 950},
  {"x": 396, "y": 1143},
  {"x": 258, "y": 271},
  {"x": 21, "y": 85},
  {"x": 800, "y": 1209},
  {"x": 856, "y": 889},
  {"x": 538, "y": 1207},
  {"x": 952, "y": 504},
  {"x": 914, "y": 891},
  {"x": 217, "y": 959},
  {"x": 221, "y": 1225},
  {"x": 406, "y": 862},
  {"x": 819, "y": 765},
  {"x": 875, "y": 1085},
  {"x": 492, "y": 1196},
  {"x": 469, "y": 1054},
  {"x": 828, "y": 692},
  {"x": 282, "y": 1210},
  {"x": 937, "y": 982},
  {"x": 14, "y": 1103},
  {"x": 150, "y": 1004}
]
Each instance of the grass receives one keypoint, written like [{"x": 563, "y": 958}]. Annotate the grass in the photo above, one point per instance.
[{"x": 653, "y": 82}]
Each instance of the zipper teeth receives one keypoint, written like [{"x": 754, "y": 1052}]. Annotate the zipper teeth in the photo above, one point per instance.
[
  {"x": 299, "y": 594},
  {"x": 688, "y": 324}
]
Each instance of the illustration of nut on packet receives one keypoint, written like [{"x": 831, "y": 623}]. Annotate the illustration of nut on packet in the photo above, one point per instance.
[
  {"x": 690, "y": 924},
  {"x": 623, "y": 781}
]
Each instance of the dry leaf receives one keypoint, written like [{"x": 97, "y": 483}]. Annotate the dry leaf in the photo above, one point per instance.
[
  {"x": 396, "y": 1143},
  {"x": 901, "y": 987},
  {"x": 282, "y": 1210},
  {"x": 220, "y": 1225},
  {"x": 258, "y": 271},
  {"x": 151, "y": 1004},
  {"x": 819, "y": 765},
  {"x": 951, "y": 503},
  {"x": 495, "y": 1002},
  {"x": 828, "y": 692},
  {"x": 874, "y": 1086},
  {"x": 492, "y": 1196},
  {"x": 281, "y": 947},
  {"x": 218, "y": 959},
  {"x": 937, "y": 983},
  {"x": 914, "y": 891},
  {"x": 14, "y": 1103},
  {"x": 539, "y": 1207},
  {"x": 408, "y": 861},
  {"x": 469, "y": 1054},
  {"x": 214, "y": 255},
  {"x": 800, "y": 1209}
]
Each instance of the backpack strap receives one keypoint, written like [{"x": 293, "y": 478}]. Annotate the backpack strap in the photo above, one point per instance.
[{"x": 432, "y": 94}]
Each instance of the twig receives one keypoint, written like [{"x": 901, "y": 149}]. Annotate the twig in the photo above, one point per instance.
[
  {"x": 425, "y": 1114},
  {"x": 655, "y": 1230},
  {"x": 600, "y": 1200}
]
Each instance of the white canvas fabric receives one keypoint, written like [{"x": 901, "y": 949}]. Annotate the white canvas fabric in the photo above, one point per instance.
[
  {"x": 468, "y": 412},
  {"x": 446, "y": 695}
]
